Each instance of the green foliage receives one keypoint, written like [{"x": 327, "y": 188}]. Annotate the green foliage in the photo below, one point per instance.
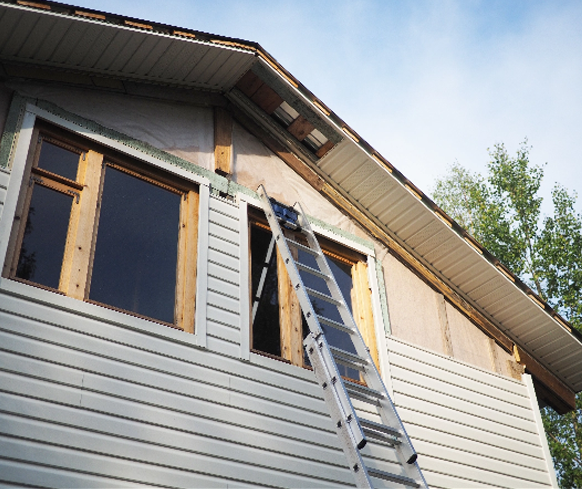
[{"x": 503, "y": 212}]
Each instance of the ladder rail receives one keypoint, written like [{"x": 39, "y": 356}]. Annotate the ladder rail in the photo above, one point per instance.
[{"x": 336, "y": 392}]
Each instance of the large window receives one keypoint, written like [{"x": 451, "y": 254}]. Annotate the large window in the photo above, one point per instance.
[
  {"x": 278, "y": 327},
  {"x": 97, "y": 226}
]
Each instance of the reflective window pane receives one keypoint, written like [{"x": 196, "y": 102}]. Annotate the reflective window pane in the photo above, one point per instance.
[
  {"x": 58, "y": 160},
  {"x": 45, "y": 235},
  {"x": 266, "y": 336},
  {"x": 343, "y": 276},
  {"x": 136, "y": 251}
]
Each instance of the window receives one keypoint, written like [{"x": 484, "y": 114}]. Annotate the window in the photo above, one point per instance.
[
  {"x": 97, "y": 226},
  {"x": 278, "y": 327}
]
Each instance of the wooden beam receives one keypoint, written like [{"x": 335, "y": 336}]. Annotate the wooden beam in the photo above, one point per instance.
[
  {"x": 300, "y": 128},
  {"x": 290, "y": 317},
  {"x": 267, "y": 99},
  {"x": 81, "y": 237},
  {"x": 320, "y": 153},
  {"x": 222, "y": 141},
  {"x": 554, "y": 392}
]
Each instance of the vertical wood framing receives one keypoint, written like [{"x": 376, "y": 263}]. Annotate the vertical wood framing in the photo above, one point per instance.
[
  {"x": 222, "y": 141},
  {"x": 186, "y": 272},
  {"x": 538, "y": 419},
  {"x": 202, "y": 266},
  {"x": 290, "y": 317},
  {"x": 362, "y": 308},
  {"x": 77, "y": 256}
]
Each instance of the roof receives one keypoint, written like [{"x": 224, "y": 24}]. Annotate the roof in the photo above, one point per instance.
[{"x": 76, "y": 40}]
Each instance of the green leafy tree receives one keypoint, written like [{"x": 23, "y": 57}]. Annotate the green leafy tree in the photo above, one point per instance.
[{"x": 503, "y": 211}]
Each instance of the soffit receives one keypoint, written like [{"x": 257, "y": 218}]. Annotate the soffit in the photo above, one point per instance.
[
  {"x": 78, "y": 43},
  {"x": 441, "y": 247}
]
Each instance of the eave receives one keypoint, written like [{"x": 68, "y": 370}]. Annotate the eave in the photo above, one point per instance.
[{"x": 352, "y": 174}]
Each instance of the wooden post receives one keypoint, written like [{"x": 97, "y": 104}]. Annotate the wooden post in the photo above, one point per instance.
[{"x": 222, "y": 141}]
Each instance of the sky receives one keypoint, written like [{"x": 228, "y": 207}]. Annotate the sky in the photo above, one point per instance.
[{"x": 426, "y": 83}]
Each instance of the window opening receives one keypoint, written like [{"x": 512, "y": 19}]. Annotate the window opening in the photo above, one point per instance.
[
  {"x": 121, "y": 234},
  {"x": 136, "y": 251},
  {"x": 278, "y": 316}
]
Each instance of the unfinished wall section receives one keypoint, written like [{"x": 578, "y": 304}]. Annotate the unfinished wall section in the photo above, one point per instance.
[{"x": 182, "y": 129}]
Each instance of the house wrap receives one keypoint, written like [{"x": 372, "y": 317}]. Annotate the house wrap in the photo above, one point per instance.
[{"x": 131, "y": 242}]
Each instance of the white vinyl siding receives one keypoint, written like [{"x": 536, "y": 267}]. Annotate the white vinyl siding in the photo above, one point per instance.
[{"x": 471, "y": 428}]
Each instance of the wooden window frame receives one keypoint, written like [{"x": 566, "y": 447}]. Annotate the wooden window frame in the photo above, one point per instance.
[
  {"x": 82, "y": 231},
  {"x": 290, "y": 323}
]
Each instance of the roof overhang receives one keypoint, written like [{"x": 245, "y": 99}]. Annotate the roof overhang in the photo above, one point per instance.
[{"x": 80, "y": 41}]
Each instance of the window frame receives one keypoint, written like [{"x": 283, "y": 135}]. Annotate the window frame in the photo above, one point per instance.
[
  {"x": 77, "y": 262},
  {"x": 291, "y": 336}
]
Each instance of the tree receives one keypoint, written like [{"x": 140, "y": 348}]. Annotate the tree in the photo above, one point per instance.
[{"x": 503, "y": 212}]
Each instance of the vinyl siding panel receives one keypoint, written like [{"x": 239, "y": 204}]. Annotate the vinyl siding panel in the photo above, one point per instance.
[
  {"x": 89, "y": 403},
  {"x": 470, "y": 427},
  {"x": 223, "y": 299}
]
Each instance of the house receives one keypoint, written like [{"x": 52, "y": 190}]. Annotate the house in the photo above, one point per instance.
[{"x": 130, "y": 236}]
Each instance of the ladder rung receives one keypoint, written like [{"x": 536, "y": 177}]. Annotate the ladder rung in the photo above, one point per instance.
[
  {"x": 335, "y": 324},
  {"x": 312, "y": 271},
  {"x": 363, "y": 393},
  {"x": 321, "y": 295},
  {"x": 301, "y": 247},
  {"x": 348, "y": 359},
  {"x": 380, "y": 432},
  {"x": 399, "y": 479}
]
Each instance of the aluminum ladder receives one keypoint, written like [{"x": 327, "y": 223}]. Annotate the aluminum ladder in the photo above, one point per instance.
[{"x": 353, "y": 431}]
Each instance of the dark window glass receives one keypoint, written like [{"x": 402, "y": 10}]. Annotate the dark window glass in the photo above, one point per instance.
[
  {"x": 136, "y": 252},
  {"x": 343, "y": 276},
  {"x": 45, "y": 235},
  {"x": 266, "y": 336},
  {"x": 58, "y": 160}
]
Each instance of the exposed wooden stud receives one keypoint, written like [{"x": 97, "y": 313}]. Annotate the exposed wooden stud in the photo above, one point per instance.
[
  {"x": 414, "y": 191},
  {"x": 362, "y": 308},
  {"x": 187, "y": 257},
  {"x": 267, "y": 99},
  {"x": 290, "y": 317},
  {"x": 321, "y": 152},
  {"x": 34, "y": 4},
  {"x": 138, "y": 25},
  {"x": 351, "y": 134},
  {"x": 476, "y": 246},
  {"x": 184, "y": 34},
  {"x": 321, "y": 106},
  {"x": 300, "y": 128},
  {"x": 505, "y": 271},
  {"x": 553, "y": 391},
  {"x": 91, "y": 15},
  {"x": 81, "y": 235},
  {"x": 444, "y": 323},
  {"x": 222, "y": 141}
]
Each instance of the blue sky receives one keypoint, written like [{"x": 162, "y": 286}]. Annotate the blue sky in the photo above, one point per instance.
[{"x": 426, "y": 83}]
